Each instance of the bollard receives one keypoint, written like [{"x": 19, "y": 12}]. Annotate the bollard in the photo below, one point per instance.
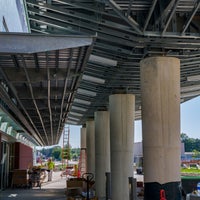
[{"x": 132, "y": 188}]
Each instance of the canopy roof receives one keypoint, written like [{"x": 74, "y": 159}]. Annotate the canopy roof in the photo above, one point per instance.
[{"x": 39, "y": 77}]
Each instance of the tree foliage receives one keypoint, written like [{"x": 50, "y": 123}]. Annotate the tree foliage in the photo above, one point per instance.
[
  {"x": 191, "y": 144},
  {"x": 56, "y": 153},
  {"x": 66, "y": 153},
  {"x": 75, "y": 153}
]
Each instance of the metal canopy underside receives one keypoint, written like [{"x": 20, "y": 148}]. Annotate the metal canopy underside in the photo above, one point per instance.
[
  {"x": 127, "y": 32},
  {"x": 39, "y": 76}
]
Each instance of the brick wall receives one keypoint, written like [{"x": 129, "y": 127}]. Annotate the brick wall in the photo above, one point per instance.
[{"x": 23, "y": 156}]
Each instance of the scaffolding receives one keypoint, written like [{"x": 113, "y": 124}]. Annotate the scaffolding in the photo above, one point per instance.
[
  {"x": 82, "y": 167},
  {"x": 65, "y": 149}
]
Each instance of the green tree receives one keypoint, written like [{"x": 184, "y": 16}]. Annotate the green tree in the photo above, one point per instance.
[
  {"x": 196, "y": 154},
  {"x": 191, "y": 144},
  {"x": 56, "y": 153},
  {"x": 75, "y": 153},
  {"x": 66, "y": 153},
  {"x": 184, "y": 137}
]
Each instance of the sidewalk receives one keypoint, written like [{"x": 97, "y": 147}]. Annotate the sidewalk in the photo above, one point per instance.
[{"x": 54, "y": 190}]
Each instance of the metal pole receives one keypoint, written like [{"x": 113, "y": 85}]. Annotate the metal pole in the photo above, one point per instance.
[
  {"x": 132, "y": 188},
  {"x": 88, "y": 188}
]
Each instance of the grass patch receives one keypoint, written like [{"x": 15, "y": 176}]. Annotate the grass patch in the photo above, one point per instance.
[{"x": 190, "y": 171}]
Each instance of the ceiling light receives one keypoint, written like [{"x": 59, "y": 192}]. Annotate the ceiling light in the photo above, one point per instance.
[
  {"x": 71, "y": 122},
  {"x": 190, "y": 94},
  {"x": 76, "y": 114},
  {"x": 93, "y": 79},
  {"x": 190, "y": 88},
  {"x": 86, "y": 92},
  {"x": 82, "y": 101},
  {"x": 193, "y": 78},
  {"x": 79, "y": 108},
  {"x": 73, "y": 118},
  {"x": 102, "y": 60}
]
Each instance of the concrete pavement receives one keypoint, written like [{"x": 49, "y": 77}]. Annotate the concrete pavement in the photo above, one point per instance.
[{"x": 54, "y": 190}]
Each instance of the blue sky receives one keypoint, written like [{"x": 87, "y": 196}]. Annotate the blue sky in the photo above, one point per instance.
[
  {"x": 190, "y": 123},
  {"x": 190, "y": 118}
]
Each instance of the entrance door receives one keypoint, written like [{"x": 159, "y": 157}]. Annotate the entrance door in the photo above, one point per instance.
[{"x": 4, "y": 165}]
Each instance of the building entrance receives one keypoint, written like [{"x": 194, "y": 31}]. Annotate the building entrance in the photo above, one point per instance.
[{"x": 4, "y": 165}]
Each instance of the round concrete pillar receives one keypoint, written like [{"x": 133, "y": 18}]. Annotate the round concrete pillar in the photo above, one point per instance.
[
  {"x": 121, "y": 143},
  {"x": 83, "y": 156},
  {"x": 83, "y": 138},
  {"x": 160, "y": 86},
  {"x": 102, "y": 152},
  {"x": 90, "y": 150}
]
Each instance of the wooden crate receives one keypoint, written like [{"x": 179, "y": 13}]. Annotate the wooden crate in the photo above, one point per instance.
[
  {"x": 20, "y": 178},
  {"x": 80, "y": 198},
  {"x": 74, "y": 183},
  {"x": 74, "y": 187}
]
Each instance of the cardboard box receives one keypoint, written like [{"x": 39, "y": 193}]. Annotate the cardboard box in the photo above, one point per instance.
[
  {"x": 74, "y": 198},
  {"x": 80, "y": 198},
  {"x": 19, "y": 178},
  {"x": 74, "y": 183},
  {"x": 72, "y": 192},
  {"x": 74, "y": 187}
]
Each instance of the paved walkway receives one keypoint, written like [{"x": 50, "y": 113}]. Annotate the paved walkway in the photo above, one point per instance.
[{"x": 54, "y": 190}]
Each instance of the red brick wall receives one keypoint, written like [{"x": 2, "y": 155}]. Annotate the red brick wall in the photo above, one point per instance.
[{"x": 23, "y": 156}]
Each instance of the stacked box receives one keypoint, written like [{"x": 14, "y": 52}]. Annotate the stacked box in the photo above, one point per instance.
[
  {"x": 80, "y": 198},
  {"x": 74, "y": 187},
  {"x": 19, "y": 178}
]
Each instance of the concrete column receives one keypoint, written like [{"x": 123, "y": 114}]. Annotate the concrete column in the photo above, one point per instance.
[
  {"x": 83, "y": 138},
  {"x": 90, "y": 150},
  {"x": 160, "y": 86},
  {"x": 102, "y": 152},
  {"x": 83, "y": 156},
  {"x": 122, "y": 114}
]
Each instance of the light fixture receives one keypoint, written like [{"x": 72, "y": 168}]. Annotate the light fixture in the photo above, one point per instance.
[
  {"x": 79, "y": 108},
  {"x": 82, "y": 101},
  {"x": 76, "y": 114},
  {"x": 71, "y": 122},
  {"x": 86, "y": 92},
  {"x": 190, "y": 94},
  {"x": 9, "y": 130},
  {"x": 102, "y": 60},
  {"x": 193, "y": 78},
  {"x": 73, "y": 118},
  {"x": 93, "y": 79},
  {"x": 17, "y": 136},
  {"x": 190, "y": 88}
]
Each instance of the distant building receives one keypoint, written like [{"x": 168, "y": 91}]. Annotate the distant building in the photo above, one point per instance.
[{"x": 138, "y": 150}]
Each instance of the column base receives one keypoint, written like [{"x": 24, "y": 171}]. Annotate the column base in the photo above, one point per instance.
[{"x": 172, "y": 191}]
